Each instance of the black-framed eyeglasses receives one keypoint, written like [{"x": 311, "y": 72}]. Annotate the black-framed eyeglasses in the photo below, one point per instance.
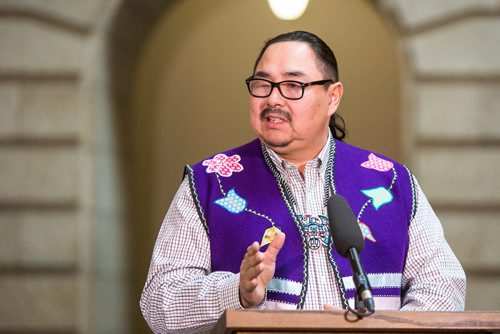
[{"x": 289, "y": 89}]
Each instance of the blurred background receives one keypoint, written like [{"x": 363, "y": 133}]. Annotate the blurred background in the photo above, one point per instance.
[{"x": 102, "y": 103}]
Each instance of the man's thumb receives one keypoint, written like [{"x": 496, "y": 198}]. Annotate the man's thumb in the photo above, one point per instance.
[{"x": 275, "y": 245}]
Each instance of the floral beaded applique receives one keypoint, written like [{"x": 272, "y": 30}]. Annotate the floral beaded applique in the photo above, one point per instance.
[
  {"x": 223, "y": 165},
  {"x": 232, "y": 202},
  {"x": 377, "y": 163}
]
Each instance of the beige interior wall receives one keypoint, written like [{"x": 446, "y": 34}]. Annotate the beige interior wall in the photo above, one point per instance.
[{"x": 191, "y": 91}]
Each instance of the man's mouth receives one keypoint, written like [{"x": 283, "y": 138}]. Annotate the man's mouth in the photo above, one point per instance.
[
  {"x": 275, "y": 116},
  {"x": 275, "y": 120}
]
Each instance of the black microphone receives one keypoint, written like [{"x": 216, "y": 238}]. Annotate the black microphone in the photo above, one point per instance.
[{"x": 349, "y": 242}]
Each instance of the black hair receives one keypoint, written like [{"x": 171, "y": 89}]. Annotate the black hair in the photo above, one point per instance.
[{"x": 326, "y": 62}]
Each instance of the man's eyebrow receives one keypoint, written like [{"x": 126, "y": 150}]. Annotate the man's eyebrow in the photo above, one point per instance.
[
  {"x": 294, "y": 74},
  {"x": 263, "y": 74}
]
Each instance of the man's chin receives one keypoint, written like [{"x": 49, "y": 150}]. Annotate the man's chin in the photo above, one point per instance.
[{"x": 276, "y": 143}]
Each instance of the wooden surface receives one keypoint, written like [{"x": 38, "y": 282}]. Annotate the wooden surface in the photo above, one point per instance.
[{"x": 247, "y": 321}]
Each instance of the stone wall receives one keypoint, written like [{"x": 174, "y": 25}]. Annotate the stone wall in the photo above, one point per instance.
[
  {"x": 451, "y": 52},
  {"x": 63, "y": 243},
  {"x": 51, "y": 80}
]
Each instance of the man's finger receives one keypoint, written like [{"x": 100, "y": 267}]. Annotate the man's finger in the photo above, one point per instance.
[
  {"x": 255, "y": 271},
  {"x": 253, "y": 260},
  {"x": 329, "y": 307},
  {"x": 252, "y": 249},
  {"x": 275, "y": 245}
]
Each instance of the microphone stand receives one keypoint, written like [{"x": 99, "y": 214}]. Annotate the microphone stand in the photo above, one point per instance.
[{"x": 363, "y": 300}]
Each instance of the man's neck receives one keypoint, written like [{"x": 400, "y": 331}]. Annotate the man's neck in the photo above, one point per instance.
[
  {"x": 299, "y": 161},
  {"x": 300, "y": 158}
]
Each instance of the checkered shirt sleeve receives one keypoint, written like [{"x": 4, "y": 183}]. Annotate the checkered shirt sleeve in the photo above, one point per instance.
[
  {"x": 181, "y": 294},
  {"x": 433, "y": 279}
]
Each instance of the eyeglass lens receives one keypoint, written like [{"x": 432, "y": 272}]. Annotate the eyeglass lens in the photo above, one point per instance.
[{"x": 263, "y": 88}]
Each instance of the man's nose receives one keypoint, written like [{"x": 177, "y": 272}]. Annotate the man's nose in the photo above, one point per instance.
[{"x": 275, "y": 98}]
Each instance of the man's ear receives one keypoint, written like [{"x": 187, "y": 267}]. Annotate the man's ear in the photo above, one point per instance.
[{"x": 335, "y": 92}]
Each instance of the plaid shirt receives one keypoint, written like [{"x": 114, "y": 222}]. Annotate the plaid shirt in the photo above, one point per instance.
[{"x": 182, "y": 294}]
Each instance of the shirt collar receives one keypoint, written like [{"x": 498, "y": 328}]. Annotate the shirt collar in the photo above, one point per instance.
[{"x": 321, "y": 159}]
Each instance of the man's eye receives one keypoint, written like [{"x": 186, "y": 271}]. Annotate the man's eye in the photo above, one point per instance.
[
  {"x": 261, "y": 84},
  {"x": 292, "y": 85}
]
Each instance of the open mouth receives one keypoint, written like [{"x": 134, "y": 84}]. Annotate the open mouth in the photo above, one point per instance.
[
  {"x": 275, "y": 120},
  {"x": 275, "y": 116}
]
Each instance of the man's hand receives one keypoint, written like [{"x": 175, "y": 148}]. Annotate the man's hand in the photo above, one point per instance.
[
  {"x": 329, "y": 307},
  {"x": 257, "y": 270}
]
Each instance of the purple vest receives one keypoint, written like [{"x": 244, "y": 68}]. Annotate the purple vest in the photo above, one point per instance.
[{"x": 239, "y": 194}]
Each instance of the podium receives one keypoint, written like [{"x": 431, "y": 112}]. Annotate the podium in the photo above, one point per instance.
[{"x": 251, "y": 321}]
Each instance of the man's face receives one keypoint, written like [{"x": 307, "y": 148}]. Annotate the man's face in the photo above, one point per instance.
[{"x": 293, "y": 127}]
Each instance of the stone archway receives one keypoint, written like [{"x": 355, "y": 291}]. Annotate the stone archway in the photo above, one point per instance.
[
  {"x": 141, "y": 147},
  {"x": 428, "y": 38},
  {"x": 67, "y": 142}
]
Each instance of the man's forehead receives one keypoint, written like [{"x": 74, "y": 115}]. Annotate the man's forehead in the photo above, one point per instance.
[
  {"x": 293, "y": 48},
  {"x": 289, "y": 58}
]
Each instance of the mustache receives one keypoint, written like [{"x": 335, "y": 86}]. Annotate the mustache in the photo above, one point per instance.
[{"x": 280, "y": 112}]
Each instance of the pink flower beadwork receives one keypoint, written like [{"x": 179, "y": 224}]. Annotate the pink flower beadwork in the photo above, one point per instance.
[
  {"x": 223, "y": 165},
  {"x": 377, "y": 163}
]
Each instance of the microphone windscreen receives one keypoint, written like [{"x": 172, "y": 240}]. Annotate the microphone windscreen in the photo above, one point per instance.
[{"x": 344, "y": 227}]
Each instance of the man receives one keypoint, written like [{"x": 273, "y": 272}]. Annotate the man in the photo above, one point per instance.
[{"x": 248, "y": 228}]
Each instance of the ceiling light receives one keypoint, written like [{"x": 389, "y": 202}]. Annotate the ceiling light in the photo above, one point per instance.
[{"x": 288, "y": 9}]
